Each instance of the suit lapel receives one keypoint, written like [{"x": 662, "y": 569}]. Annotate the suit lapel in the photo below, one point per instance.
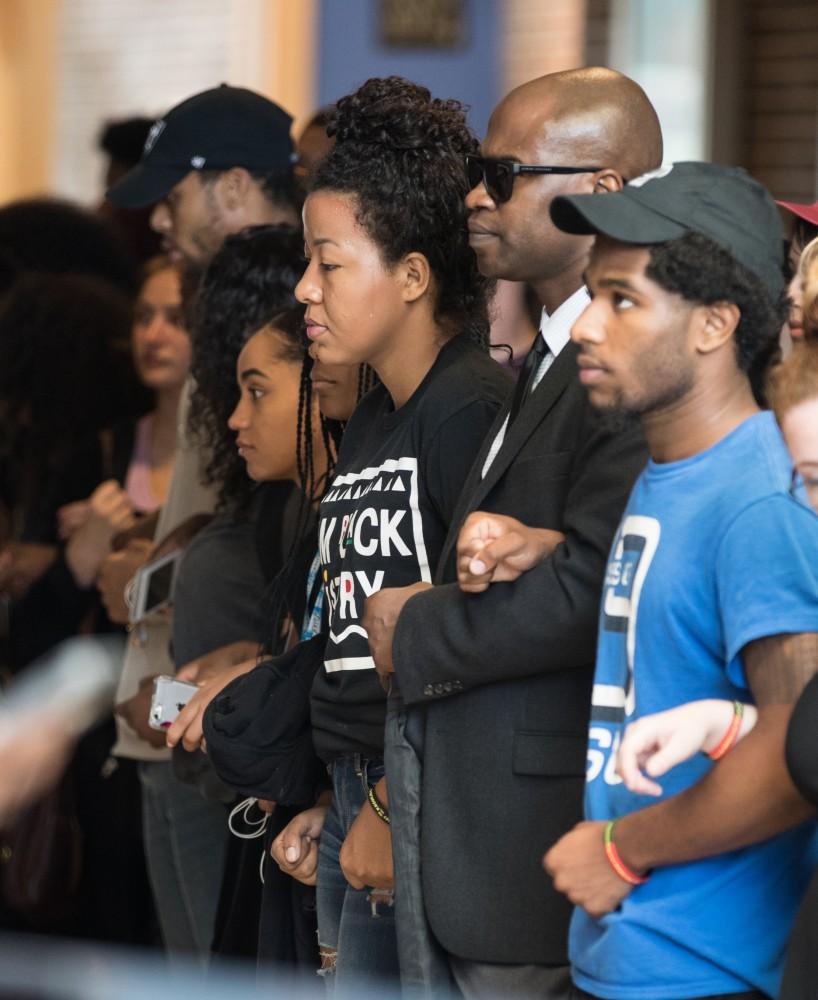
[
  {"x": 475, "y": 489},
  {"x": 554, "y": 383}
]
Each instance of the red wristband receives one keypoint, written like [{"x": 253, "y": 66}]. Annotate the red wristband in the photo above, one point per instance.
[
  {"x": 730, "y": 738},
  {"x": 616, "y": 862}
]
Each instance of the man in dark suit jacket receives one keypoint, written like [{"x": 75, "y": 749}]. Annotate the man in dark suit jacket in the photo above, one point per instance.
[{"x": 502, "y": 679}]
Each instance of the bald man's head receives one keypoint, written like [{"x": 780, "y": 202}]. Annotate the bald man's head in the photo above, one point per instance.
[
  {"x": 594, "y": 115},
  {"x": 594, "y": 119}
]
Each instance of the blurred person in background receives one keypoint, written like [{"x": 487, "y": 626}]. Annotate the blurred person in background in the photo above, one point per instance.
[
  {"x": 50, "y": 236},
  {"x": 312, "y": 145},
  {"x": 62, "y": 381},
  {"x": 803, "y": 294},
  {"x": 142, "y": 454},
  {"x": 121, "y": 142},
  {"x": 515, "y": 317},
  {"x": 215, "y": 163},
  {"x": 63, "y": 378},
  {"x": 803, "y": 230}
]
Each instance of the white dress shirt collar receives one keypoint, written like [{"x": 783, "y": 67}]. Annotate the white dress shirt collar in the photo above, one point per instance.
[{"x": 556, "y": 329}]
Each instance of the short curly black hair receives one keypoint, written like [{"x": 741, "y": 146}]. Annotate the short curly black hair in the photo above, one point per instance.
[
  {"x": 703, "y": 272},
  {"x": 249, "y": 281},
  {"x": 401, "y": 154}
]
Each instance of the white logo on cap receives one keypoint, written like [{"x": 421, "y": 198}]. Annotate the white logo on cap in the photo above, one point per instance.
[
  {"x": 197, "y": 162},
  {"x": 651, "y": 175},
  {"x": 156, "y": 130}
]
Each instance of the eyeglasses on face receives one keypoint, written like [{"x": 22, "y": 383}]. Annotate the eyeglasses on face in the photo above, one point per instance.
[
  {"x": 498, "y": 174},
  {"x": 804, "y": 484}
]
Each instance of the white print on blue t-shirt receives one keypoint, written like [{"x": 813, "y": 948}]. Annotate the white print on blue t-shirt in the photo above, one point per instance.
[
  {"x": 370, "y": 536},
  {"x": 711, "y": 554},
  {"x": 632, "y": 553}
]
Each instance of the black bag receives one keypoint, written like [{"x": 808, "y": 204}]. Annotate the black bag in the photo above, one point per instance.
[{"x": 258, "y": 730}]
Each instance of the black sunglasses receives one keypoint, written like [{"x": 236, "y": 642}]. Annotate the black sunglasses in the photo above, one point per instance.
[{"x": 498, "y": 175}]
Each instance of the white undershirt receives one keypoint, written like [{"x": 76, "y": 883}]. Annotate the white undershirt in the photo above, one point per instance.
[{"x": 556, "y": 332}]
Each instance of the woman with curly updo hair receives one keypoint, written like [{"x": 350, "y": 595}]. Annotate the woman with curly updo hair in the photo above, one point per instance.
[{"x": 390, "y": 282}]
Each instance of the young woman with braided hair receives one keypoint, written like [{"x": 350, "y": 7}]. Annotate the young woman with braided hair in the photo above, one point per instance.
[{"x": 286, "y": 450}]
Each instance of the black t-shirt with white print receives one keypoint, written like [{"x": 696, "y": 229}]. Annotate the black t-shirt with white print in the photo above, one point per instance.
[{"x": 384, "y": 520}]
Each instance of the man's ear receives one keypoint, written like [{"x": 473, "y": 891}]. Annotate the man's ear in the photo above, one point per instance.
[
  {"x": 415, "y": 276},
  {"x": 233, "y": 188},
  {"x": 607, "y": 181},
  {"x": 715, "y": 325}
]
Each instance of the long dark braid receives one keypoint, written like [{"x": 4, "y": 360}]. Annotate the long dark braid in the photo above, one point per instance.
[{"x": 293, "y": 571}]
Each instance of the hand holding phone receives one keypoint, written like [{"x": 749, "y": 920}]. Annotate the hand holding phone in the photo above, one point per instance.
[{"x": 169, "y": 698}]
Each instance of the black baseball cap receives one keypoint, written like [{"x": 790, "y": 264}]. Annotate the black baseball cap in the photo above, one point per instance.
[
  {"x": 723, "y": 203},
  {"x": 218, "y": 129}
]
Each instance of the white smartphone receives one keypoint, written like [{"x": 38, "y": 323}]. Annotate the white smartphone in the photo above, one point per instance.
[
  {"x": 152, "y": 587},
  {"x": 169, "y": 698}
]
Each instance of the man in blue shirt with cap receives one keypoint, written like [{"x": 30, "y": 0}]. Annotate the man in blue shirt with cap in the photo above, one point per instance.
[{"x": 711, "y": 592}]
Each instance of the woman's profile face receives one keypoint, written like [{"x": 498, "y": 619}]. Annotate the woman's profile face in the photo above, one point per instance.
[
  {"x": 161, "y": 345},
  {"x": 266, "y": 416},
  {"x": 355, "y": 304}
]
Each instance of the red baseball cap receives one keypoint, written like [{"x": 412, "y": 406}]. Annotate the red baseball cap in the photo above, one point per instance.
[{"x": 809, "y": 213}]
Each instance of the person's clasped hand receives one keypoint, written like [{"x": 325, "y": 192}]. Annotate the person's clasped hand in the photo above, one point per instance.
[
  {"x": 380, "y": 619},
  {"x": 295, "y": 849},
  {"x": 582, "y": 872},
  {"x": 110, "y": 511},
  {"x": 366, "y": 854},
  {"x": 494, "y": 548}
]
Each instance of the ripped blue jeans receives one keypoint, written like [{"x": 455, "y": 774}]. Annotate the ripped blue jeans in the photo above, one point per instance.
[{"x": 359, "y": 931}]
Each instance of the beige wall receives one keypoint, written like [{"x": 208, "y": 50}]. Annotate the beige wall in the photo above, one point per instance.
[
  {"x": 541, "y": 37},
  {"x": 28, "y": 30},
  {"x": 268, "y": 45},
  {"x": 291, "y": 74}
]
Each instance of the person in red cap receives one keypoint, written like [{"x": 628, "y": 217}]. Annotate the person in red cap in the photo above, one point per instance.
[{"x": 804, "y": 231}]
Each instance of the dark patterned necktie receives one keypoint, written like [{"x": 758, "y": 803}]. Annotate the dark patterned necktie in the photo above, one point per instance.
[{"x": 532, "y": 362}]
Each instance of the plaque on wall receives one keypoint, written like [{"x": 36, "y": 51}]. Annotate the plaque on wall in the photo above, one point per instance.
[{"x": 422, "y": 23}]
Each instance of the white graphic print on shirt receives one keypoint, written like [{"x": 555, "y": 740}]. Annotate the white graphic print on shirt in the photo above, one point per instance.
[
  {"x": 614, "y": 694},
  {"x": 370, "y": 536}
]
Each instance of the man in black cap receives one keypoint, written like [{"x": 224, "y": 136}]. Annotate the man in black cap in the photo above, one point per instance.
[
  {"x": 216, "y": 163},
  {"x": 711, "y": 591}
]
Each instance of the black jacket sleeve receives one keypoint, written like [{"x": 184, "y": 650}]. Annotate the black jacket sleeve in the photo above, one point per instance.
[
  {"x": 447, "y": 641},
  {"x": 802, "y": 742}
]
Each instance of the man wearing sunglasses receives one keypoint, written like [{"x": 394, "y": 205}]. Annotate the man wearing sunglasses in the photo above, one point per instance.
[{"x": 501, "y": 680}]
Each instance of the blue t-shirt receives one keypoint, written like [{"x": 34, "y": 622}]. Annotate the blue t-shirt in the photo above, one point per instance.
[{"x": 711, "y": 554}]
